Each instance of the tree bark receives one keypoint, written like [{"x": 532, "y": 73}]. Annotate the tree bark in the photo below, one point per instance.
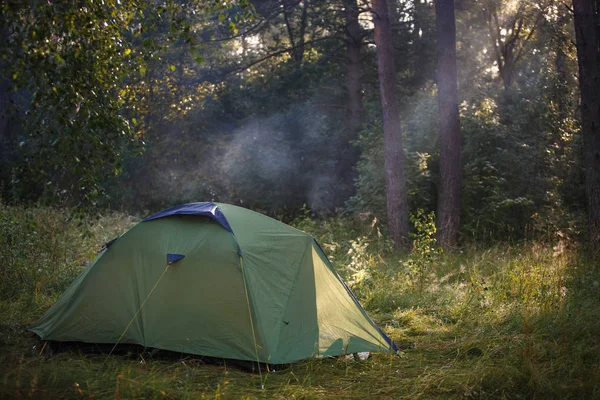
[
  {"x": 588, "y": 56},
  {"x": 4, "y": 97},
  {"x": 420, "y": 53},
  {"x": 394, "y": 7},
  {"x": 448, "y": 218},
  {"x": 7, "y": 136},
  {"x": 353, "y": 71},
  {"x": 348, "y": 153},
  {"x": 564, "y": 78},
  {"x": 4, "y": 104},
  {"x": 397, "y": 204}
]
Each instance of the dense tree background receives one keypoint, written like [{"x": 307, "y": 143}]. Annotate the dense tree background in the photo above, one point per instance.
[{"x": 276, "y": 105}]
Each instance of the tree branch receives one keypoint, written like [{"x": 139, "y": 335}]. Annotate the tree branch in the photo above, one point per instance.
[{"x": 286, "y": 50}]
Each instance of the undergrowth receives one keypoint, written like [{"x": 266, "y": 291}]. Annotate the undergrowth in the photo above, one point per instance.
[{"x": 506, "y": 321}]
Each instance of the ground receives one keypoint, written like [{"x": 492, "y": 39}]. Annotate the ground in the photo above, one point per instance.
[{"x": 509, "y": 320}]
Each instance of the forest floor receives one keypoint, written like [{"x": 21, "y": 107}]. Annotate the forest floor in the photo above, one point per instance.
[{"x": 501, "y": 321}]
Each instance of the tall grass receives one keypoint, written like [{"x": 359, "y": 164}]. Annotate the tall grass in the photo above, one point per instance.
[
  {"x": 507, "y": 321},
  {"x": 42, "y": 249}
]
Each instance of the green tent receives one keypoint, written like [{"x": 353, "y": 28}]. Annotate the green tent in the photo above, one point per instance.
[{"x": 215, "y": 280}]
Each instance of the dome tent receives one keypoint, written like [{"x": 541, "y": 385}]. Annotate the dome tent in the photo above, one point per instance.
[{"x": 215, "y": 280}]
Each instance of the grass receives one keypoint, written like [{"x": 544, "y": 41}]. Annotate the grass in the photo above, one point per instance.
[{"x": 508, "y": 321}]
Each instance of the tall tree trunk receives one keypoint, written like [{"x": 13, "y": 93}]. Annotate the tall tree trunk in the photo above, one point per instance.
[
  {"x": 565, "y": 81},
  {"x": 397, "y": 204},
  {"x": 394, "y": 7},
  {"x": 348, "y": 153},
  {"x": 4, "y": 105},
  {"x": 353, "y": 71},
  {"x": 4, "y": 96},
  {"x": 588, "y": 56},
  {"x": 7, "y": 136},
  {"x": 421, "y": 56},
  {"x": 450, "y": 168}
]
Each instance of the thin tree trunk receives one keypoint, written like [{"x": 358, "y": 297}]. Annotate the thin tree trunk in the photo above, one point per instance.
[
  {"x": 394, "y": 7},
  {"x": 297, "y": 43},
  {"x": 420, "y": 53},
  {"x": 450, "y": 169},
  {"x": 4, "y": 104},
  {"x": 7, "y": 136},
  {"x": 348, "y": 153},
  {"x": 4, "y": 96},
  {"x": 353, "y": 72},
  {"x": 564, "y": 79},
  {"x": 588, "y": 56},
  {"x": 397, "y": 204},
  {"x": 301, "y": 40}
]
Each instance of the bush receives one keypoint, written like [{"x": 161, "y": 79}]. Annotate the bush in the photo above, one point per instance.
[{"x": 42, "y": 249}]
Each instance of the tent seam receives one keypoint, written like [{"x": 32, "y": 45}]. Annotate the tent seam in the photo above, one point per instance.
[{"x": 252, "y": 307}]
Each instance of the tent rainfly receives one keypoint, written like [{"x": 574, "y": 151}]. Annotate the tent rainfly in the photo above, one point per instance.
[{"x": 215, "y": 280}]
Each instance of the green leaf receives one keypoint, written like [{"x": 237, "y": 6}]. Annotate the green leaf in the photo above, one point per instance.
[
  {"x": 142, "y": 71},
  {"x": 233, "y": 28},
  {"x": 172, "y": 67}
]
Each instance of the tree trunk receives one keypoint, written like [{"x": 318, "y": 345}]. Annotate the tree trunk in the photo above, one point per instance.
[
  {"x": 588, "y": 56},
  {"x": 348, "y": 153},
  {"x": 297, "y": 42},
  {"x": 420, "y": 53},
  {"x": 394, "y": 7},
  {"x": 4, "y": 97},
  {"x": 4, "y": 105},
  {"x": 353, "y": 72},
  {"x": 565, "y": 81},
  {"x": 450, "y": 169},
  {"x": 7, "y": 136},
  {"x": 397, "y": 204}
]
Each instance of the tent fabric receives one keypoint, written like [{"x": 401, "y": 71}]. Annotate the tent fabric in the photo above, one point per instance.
[
  {"x": 172, "y": 258},
  {"x": 278, "y": 301},
  {"x": 207, "y": 209},
  {"x": 387, "y": 339}
]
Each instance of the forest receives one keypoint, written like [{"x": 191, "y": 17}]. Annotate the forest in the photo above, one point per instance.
[{"x": 444, "y": 153}]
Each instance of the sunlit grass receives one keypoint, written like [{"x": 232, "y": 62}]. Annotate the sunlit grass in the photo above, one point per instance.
[{"x": 508, "y": 321}]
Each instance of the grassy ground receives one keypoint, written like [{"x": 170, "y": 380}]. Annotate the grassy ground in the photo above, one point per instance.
[{"x": 507, "y": 321}]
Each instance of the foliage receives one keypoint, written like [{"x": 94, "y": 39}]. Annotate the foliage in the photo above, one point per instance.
[
  {"x": 76, "y": 72},
  {"x": 228, "y": 109},
  {"x": 489, "y": 322},
  {"x": 520, "y": 152},
  {"x": 247, "y": 104},
  {"x": 425, "y": 251},
  {"x": 419, "y": 127},
  {"x": 67, "y": 64},
  {"x": 43, "y": 249}
]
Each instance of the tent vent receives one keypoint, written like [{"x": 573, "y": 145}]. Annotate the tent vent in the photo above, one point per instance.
[{"x": 173, "y": 258}]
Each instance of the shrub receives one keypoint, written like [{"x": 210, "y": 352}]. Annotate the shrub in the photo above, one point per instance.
[{"x": 42, "y": 249}]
